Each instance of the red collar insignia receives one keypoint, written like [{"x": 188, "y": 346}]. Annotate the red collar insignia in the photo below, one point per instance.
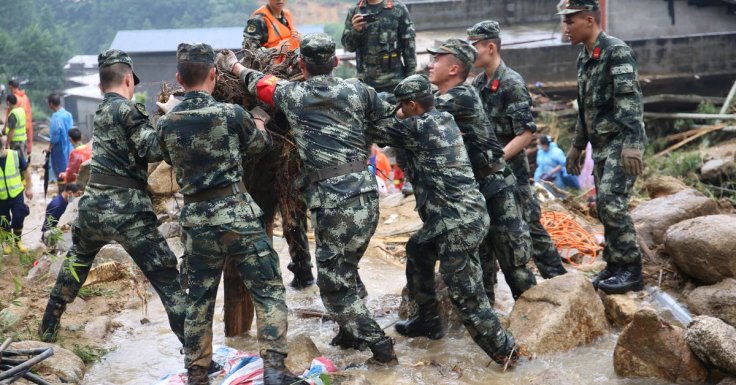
[
  {"x": 597, "y": 53},
  {"x": 494, "y": 85}
]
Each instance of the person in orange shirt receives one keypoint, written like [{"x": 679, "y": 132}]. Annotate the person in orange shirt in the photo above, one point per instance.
[
  {"x": 381, "y": 163},
  {"x": 25, "y": 102},
  {"x": 271, "y": 26},
  {"x": 80, "y": 154}
]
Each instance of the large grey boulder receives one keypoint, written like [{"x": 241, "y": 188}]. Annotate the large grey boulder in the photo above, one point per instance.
[
  {"x": 714, "y": 342},
  {"x": 717, "y": 300},
  {"x": 654, "y": 217},
  {"x": 703, "y": 248},
  {"x": 652, "y": 348},
  {"x": 558, "y": 315},
  {"x": 162, "y": 181}
]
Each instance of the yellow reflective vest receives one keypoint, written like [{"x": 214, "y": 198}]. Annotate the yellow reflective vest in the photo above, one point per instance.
[
  {"x": 19, "y": 134},
  {"x": 11, "y": 184}
]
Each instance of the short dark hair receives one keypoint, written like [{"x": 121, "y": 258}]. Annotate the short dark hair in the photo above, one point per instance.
[
  {"x": 464, "y": 67},
  {"x": 595, "y": 14},
  {"x": 14, "y": 83},
  {"x": 113, "y": 75},
  {"x": 320, "y": 69},
  {"x": 426, "y": 102},
  {"x": 544, "y": 139},
  {"x": 73, "y": 187},
  {"x": 12, "y": 99},
  {"x": 54, "y": 99},
  {"x": 193, "y": 73},
  {"x": 75, "y": 134}
]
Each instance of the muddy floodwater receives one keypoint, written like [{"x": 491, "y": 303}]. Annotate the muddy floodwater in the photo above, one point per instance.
[{"x": 145, "y": 352}]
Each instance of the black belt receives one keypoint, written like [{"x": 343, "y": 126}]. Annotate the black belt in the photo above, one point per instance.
[
  {"x": 117, "y": 181},
  {"x": 343, "y": 169},
  {"x": 488, "y": 169},
  {"x": 217, "y": 192}
]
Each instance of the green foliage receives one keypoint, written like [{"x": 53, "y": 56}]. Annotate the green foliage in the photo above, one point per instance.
[
  {"x": 89, "y": 354},
  {"x": 140, "y": 97},
  {"x": 335, "y": 31},
  {"x": 95, "y": 291}
]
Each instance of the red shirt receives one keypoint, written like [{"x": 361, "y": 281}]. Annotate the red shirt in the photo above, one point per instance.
[{"x": 78, "y": 156}]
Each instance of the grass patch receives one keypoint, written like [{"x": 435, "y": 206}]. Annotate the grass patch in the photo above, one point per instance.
[
  {"x": 89, "y": 354},
  {"x": 95, "y": 291}
]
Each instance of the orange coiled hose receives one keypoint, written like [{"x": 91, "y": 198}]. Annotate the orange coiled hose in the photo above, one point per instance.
[{"x": 567, "y": 234}]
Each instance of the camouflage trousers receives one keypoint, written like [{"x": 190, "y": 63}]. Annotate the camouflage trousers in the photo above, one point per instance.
[
  {"x": 613, "y": 190},
  {"x": 342, "y": 236},
  {"x": 457, "y": 251},
  {"x": 508, "y": 240},
  {"x": 265, "y": 182},
  {"x": 207, "y": 248},
  {"x": 544, "y": 251},
  {"x": 138, "y": 235}
]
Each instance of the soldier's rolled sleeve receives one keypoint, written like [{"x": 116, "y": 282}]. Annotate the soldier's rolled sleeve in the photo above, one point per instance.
[
  {"x": 519, "y": 109},
  {"x": 350, "y": 37},
  {"x": 250, "y": 78},
  {"x": 143, "y": 135},
  {"x": 259, "y": 35},
  {"x": 627, "y": 97},
  {"x": 407, "y": 34},
  {"x": 580, "y": 139}
]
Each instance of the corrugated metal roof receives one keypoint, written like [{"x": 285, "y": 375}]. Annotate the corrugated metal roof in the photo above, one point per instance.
[
  {"x": 166, "y": 40},
  {"x": 89, "y": 92}
]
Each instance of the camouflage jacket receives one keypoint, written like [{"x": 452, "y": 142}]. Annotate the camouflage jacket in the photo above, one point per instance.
[
  {"x": 447, "y": 194},
  {"x": 124, "y": 143},
  {"x": 610, "y": 105},
  {"x": 328, "y": 117},
  {"x": 382, "y": 45},
  {"x": 205, "y": 141},
  {"x": 509, "y": 107},
  {"x": 463, "y": 103}
]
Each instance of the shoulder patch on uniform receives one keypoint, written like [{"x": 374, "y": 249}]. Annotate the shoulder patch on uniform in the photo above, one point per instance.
[
  {"x": 622, "y": 69},
  {"x": 141, "y": 108},
  {"x": 251, "y": 28}
]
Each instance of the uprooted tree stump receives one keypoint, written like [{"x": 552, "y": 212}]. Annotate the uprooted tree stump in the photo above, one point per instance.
[{"x": 269, "y": 177}]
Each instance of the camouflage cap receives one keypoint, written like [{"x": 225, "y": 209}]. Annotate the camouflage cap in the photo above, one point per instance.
[
  {"x": 488, "y": 29},
  {"x": 114, "y": 56},
  {"x": 575, "y": 6},
  {"x": 412, "y": 88},
  {"x": 460, "y": 48},
  {"x": 195, "y": 52},
  {"x": 317, "y": 48}
]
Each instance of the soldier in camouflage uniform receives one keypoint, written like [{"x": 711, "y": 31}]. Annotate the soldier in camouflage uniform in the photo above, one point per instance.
[
  {"x": 381, "y": 33},
  {"x": 329, "y": 117},
  {"x": 508, "y": 105},
  {"x": 610, "y": 117},
  {"x": 115, "y": 206},
  {"x": 455, "y": 221},
  {"x": 508, "y": 239},
  {"x": 205, "y": 141}
]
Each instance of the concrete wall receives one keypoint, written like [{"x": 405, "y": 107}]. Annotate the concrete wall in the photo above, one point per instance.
[
  {"x": 706, "y": 54},
  {"x": 445, "y": 14},
  {"x": 642, "y": 19}
]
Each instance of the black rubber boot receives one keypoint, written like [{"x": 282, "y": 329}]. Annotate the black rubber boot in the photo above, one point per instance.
[
  {"x": 303, "y": 276},
  {"x": 609, "y": 271},
  {"x": 383, "y": 352},
  {"x": 275, "y": 372},
  {"x": 360, "y": 287},
  {"x": 426, "y": 323},
  {"x": 197, "y": 375},
  {"x": 51, "y": 321},
  {"x": 346, "y": 340},
  {"x": 628, "y": 278},
  {"x": 508, "y": 355}
]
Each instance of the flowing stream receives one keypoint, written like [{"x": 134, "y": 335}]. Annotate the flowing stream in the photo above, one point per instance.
[{"x": 145, "y": 352}]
